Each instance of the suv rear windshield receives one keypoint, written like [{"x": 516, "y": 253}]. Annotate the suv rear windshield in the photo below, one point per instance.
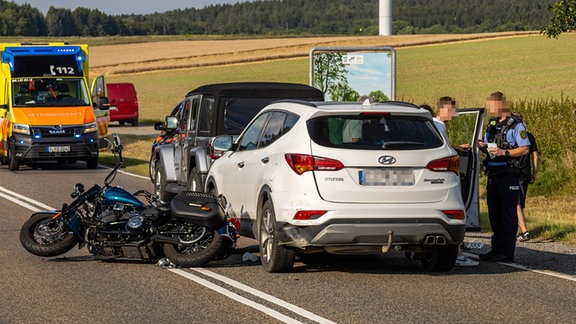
[{"x": 375, "y": 132}]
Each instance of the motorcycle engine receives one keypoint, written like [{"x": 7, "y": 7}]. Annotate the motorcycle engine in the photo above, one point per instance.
[{"x": 123, "y": 231}]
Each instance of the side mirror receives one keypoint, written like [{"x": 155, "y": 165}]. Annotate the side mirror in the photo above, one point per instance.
[
  {"x": 159, "y": 126},
  {"x": 117, "y": 142},
  {"x": 222, "y": 143},
  {"x": 171, "y": 123},
  {"x": 103, "y": 103}
]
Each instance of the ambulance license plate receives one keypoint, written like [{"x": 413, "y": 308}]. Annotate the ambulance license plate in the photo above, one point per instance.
[{"x": 58, "y": 149}]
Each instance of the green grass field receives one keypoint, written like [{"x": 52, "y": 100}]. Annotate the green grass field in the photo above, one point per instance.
[
  {"x": 524, "y": 68},
  {"x": 536, "y": 74}
]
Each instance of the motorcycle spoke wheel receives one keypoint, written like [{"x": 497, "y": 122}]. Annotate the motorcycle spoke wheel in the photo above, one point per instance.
[
  {"x": 49, "y": 232},
  {"x": 197, "y": 247},
  {"x": 43, "y": 236}
]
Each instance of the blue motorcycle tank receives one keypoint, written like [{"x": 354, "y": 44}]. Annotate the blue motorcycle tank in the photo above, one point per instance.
[{"x": 119, "y": 195}]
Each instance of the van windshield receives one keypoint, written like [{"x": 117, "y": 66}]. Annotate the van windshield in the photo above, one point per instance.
[{"x": 49, "y": 92}]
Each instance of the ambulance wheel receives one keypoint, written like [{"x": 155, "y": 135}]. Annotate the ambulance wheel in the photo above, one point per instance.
[
  {"x": 13, "y": 163},
  {"x": 92, "y": 163}
]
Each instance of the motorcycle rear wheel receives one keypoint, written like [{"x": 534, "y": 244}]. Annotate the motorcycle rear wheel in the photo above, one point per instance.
[
  {"x": 42, "y": 236},
  {"x": 196, "y": 249}
]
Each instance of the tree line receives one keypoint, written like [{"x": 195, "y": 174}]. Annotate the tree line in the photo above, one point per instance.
[{"x": 284, "y": 17}]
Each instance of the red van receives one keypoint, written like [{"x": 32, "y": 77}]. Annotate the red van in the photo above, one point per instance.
[{"x": 123, "y": 103}]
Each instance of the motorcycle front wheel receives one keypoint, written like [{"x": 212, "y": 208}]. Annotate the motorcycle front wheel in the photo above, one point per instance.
[
  {"x": 198, "y": 246},
  {"x": 43, "y": 236}
]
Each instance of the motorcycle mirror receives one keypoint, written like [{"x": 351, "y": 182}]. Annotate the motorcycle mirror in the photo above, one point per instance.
[
  {"x": 79, "y": 187},
  {"x": 78, "y": 190},
  {"x": 116, "y": 140}
]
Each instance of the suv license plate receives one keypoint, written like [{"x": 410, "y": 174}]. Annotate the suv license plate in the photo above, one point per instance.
[
  {"x": 386, "y": 177},
  {"x": 58, "y": 149}
]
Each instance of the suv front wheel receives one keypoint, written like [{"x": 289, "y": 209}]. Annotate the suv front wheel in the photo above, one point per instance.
[
  {"x": 195, "y": 181},
  {"x": 160, "y": 184},
  {"x": 275, "y": 257}
]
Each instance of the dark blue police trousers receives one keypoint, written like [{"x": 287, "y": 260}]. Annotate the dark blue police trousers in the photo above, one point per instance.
[{"x": 502, "y": 195}]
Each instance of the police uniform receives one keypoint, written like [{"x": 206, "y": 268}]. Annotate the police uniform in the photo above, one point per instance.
[{"x": 503, "y": 189}]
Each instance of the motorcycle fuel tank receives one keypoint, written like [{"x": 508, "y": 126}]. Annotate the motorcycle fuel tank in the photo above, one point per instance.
[{"x": 120, "y": 195}]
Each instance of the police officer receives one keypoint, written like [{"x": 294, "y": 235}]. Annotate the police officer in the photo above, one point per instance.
[{"x": 505, "y": 141}]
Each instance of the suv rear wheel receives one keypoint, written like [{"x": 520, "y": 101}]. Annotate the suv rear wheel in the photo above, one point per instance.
[
  {"x": 275, "y": 258},
  {"x": 440, "y": 258}
]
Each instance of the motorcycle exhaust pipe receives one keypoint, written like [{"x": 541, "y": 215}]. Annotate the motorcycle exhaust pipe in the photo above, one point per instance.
[{"x": 165, "y": 239}]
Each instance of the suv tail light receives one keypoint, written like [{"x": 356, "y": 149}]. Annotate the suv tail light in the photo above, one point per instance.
[
  {"x": 309, "y": 214},
  {"x": 301, "y": 163},
  {"x": 213, "y": 153},
  {"x": 449, "y": 164},
  {"x": 455, "y": 214}
]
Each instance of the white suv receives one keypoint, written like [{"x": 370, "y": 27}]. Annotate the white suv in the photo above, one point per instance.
[{"x": 346, "y": 178}]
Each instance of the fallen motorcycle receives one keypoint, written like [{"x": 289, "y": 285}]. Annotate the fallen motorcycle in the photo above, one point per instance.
[{"x": 190, "y": 231}]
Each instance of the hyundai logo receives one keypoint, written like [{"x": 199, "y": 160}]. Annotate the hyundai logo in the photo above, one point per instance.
[{"x": 386, "y": 160}]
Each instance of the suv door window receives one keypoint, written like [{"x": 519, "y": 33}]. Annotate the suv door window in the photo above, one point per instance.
[
  {"x": 184, "y": 116},
  {"x": 279, "y": 124},
  {"x": 239, "y": 112},
  {"x": 194, "y": 113},
  {"x": 206, "y": 116},
  {"x": 251, "y": 135}
]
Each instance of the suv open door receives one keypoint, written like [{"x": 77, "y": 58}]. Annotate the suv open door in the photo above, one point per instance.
[{"x": 466, "y": 128}]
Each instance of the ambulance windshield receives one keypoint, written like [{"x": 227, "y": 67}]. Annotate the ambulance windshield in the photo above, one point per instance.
[{"x": 49, "y": 92}]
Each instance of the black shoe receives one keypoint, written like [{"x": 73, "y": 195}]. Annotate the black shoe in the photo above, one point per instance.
[
  {"x": 486, "y": 256},
  {"x": 493, "y": 257}
]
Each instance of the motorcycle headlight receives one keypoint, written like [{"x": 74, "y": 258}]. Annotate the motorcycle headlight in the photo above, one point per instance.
[
  {"x": 21, "y": 129},
  {"x": 90, "y": 127}
]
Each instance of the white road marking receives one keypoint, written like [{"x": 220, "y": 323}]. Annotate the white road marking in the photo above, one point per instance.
[
  {"x": 525, "y": 268},
  {"x": 291, "y": 307},
  {"x": 236, "y": 297},
  {"x": 28, "y": 203},
  {"x": 22, "y": 200}
]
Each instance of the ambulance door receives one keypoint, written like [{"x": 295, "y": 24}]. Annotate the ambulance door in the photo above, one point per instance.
[
  {"x": 101, "y": 108},
  {"x": 4, "y": 120}
]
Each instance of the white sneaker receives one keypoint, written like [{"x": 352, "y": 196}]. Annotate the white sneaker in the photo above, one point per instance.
[{"x": 463, "y": 261}]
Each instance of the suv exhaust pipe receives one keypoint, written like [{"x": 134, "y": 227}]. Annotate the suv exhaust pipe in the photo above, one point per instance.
[{"x": 435, "y": 240}]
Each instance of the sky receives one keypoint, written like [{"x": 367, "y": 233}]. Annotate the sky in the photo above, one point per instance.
[{"x": 119, "y": 7}]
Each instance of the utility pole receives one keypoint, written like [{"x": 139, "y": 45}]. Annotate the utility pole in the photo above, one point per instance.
[{"x": 385, "y": 18}]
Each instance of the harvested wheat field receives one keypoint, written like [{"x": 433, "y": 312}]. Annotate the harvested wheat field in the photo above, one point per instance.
[{"x": 169, "y": 55}]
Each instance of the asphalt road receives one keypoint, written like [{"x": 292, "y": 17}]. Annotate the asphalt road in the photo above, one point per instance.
[
  {"x": 132, "y": 130},
  {"x": 76, "y": 288}
]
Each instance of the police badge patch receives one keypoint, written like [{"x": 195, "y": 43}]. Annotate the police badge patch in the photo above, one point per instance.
[{"x": 523, "y": 134}]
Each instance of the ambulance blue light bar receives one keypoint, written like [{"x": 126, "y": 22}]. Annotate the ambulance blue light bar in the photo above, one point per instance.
[{"x": 10, "y": 54}]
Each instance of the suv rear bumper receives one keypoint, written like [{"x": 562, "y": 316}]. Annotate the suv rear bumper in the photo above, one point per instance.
[{"x": 371, "y": 232}]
